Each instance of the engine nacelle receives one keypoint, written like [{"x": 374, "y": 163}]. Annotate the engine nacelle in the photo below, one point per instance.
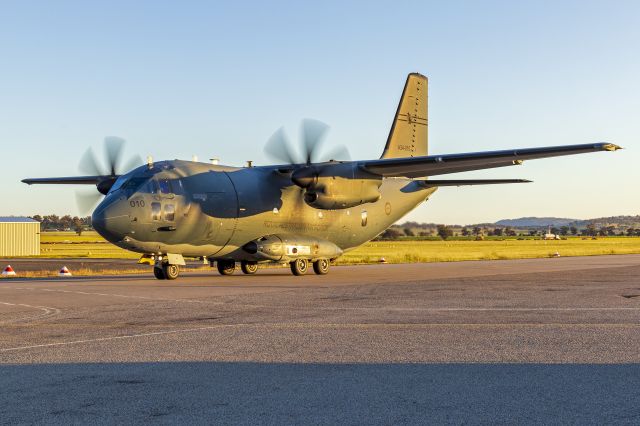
[
  {"x": 337, "y": 185},
  {"x": 283, "y": 247},
  {"x": 330, "y": 194}
]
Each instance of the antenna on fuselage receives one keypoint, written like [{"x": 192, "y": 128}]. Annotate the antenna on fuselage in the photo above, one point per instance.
[{"x": 149, "y": 162}]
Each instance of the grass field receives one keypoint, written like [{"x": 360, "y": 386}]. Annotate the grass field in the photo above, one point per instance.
[
  {"x": 91, "y": 245},
  {"x": 451, "y": 251}
]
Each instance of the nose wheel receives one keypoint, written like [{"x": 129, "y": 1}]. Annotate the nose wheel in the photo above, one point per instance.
[{"x": 166, "y": 272}]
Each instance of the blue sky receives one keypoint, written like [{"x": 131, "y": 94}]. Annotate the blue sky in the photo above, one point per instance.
[{"x": 177, "y": 79}]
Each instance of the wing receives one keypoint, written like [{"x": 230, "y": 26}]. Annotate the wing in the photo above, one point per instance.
[
  {"x": 434, "y": 183},
  {"x": 432, "y": 165},
  {"x": 75, "y": 180}
]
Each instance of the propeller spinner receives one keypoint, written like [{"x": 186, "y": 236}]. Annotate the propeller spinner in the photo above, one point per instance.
[{"x": 113, "y": 148}]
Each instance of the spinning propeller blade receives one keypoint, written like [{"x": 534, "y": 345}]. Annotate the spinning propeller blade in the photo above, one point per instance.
[{"x": 113, "y": 147}]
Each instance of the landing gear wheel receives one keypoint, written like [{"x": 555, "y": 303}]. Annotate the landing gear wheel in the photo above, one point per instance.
[
  {"x": 158, "y": 273},
  {"x": 321, "y": 266},
  {"x": 248, "y": 267},
  {"x": 226, "y": 267},
  {"x": 299, "y": 266},
  {"x": 171, "y": 272}
]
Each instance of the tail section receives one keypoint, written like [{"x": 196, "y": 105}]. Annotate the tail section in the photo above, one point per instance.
[{"x": 409, "y": 133}]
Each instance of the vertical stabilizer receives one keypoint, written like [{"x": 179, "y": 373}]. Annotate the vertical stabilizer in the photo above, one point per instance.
[{"x": 409, "y": 133}]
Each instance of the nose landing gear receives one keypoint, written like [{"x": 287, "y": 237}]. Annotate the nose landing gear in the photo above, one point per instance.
[
  {"x": 165, "y": 267},
  {"x": 166, "y": 272}
]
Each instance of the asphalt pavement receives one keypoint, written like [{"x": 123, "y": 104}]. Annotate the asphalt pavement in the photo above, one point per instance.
[{"x": 526, "y": 341}]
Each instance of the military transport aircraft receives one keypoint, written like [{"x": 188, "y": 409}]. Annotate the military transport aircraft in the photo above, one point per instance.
[{"x": 304, "y": 210}]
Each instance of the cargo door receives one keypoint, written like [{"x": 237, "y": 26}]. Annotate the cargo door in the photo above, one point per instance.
[{"x": 216, "y": 197}]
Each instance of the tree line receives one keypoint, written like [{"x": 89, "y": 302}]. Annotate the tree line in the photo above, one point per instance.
[
  {"x": 67, "y": 222},
  {"x": 478, "y": 231}
]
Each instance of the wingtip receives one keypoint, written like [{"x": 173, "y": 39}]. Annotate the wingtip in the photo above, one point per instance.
[{"x": 611, "y": 147}]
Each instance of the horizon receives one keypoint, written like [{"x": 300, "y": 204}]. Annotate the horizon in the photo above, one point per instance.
[
  {"x": 166, "y": 79},
  {"x": 404, "y": 221}
]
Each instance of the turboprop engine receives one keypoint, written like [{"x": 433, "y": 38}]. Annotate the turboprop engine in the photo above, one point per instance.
[
  {"x": 290, "y": 247},
  {"x": 337, "y": 185}
]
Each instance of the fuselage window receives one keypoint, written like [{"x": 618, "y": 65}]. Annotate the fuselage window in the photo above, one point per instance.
[
  {"x": 155, "y": 211},
  {"x": 363, "y": 218},
  {"x": 169, "y": 212},
  {"x": 165, "y": 186}
]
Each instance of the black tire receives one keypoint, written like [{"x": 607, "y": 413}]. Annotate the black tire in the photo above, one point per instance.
[
  {"x": 299, "y": 267},
  {"x": 248, "y": 267},
  {"x": 321, "y": 266},
  {"x": 171, "y": 272},
  {"x": 158, "y": 273},
  {"x": 226, "y": 267}
]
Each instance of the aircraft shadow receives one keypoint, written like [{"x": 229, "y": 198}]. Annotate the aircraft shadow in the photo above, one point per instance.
[{"x": 286, "y": 393}]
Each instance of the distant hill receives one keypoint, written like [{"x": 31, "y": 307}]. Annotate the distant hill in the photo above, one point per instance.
[
  {"x": 540, "y": 223},
  {"x": 525, "y": 222},
  {"x": 537, "y": 222}
]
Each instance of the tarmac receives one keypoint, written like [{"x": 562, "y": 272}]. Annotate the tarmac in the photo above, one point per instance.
[{"x": 523, "y": 341}]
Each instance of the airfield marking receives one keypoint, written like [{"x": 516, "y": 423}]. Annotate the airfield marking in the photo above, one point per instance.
[
  {"x": 48, "y": 312},
  {"x": 363, "y": 308},
  {"x": 88, "y": 293},
  {"x": 312, "y": 325}
]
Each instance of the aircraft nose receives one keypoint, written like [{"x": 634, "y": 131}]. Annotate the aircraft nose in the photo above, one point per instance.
[{"x": 111, "y": 219}]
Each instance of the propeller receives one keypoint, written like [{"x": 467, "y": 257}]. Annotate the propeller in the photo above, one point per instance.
[
  {"x": 312, "y": 136},
  {"x": 89, "y": 165},
  {"x": 309, "y": 158}
]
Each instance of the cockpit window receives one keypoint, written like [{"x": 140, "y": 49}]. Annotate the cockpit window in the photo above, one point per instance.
[
  {"x": 128, "y": 183},
  {"x": 134, "y": 183},
  {"x": 152, "y": 187},
  {"x": 165, "y": 186}
]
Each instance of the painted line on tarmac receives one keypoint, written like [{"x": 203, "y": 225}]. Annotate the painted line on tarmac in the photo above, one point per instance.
[
  {"x": 312, "y": 326},
  {"x": 88, "y": 293},
  {"x": 126, "y": 336},
  {"x": 47, "y": 312},
  {"x": 360, "y": 308}
]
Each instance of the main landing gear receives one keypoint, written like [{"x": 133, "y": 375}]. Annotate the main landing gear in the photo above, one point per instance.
[
  {"x": 249, "y": 267},
  {"x": 301, "y": 266},
  {"x": 171, "y": 271},
  {"x": 228, "y": 267}
]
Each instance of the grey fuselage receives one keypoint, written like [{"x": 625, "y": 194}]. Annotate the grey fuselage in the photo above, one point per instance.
[{"x": 205, "y": 210}]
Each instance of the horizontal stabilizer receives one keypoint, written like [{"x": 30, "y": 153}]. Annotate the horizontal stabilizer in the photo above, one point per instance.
[{"x": 437, "y": 183}]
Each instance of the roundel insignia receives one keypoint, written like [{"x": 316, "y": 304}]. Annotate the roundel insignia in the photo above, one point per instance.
[{"x": 387, "y": 208}]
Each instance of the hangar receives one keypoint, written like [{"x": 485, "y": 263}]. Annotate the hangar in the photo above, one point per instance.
[{"x": 19, "y": 236}]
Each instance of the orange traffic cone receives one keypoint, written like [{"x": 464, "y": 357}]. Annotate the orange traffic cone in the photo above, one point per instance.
[
  {"x": 64, "y": 272},
  {"x": 8, "y": 272}
]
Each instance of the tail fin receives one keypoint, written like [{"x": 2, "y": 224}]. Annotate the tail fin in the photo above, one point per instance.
[{"x": 409, "y": 133}]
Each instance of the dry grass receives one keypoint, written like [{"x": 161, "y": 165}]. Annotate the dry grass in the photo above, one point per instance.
[
  {"x": 91, "y": 245},
  {"x": 450, "y": 251}
]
